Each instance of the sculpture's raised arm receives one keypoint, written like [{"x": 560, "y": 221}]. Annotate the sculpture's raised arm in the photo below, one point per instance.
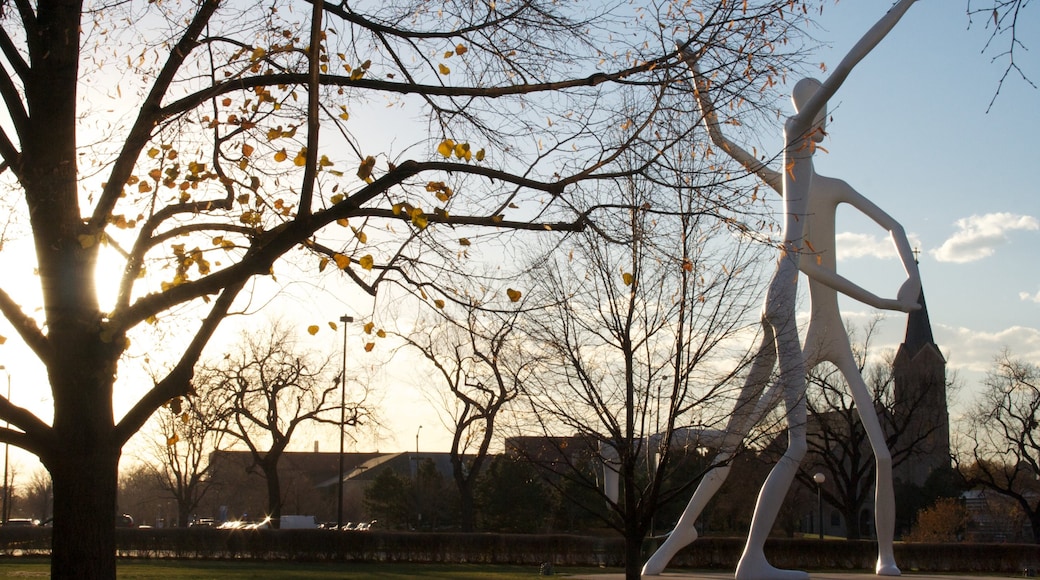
[
  {"x": 701, "y": 86},
  {"x": 867, "y": 43}
]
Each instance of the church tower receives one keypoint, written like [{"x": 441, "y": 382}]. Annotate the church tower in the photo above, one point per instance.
[{"x": 920, "y": 408}]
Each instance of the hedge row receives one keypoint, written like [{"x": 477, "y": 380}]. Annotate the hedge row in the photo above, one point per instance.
[{"x": 558, "y": 549}]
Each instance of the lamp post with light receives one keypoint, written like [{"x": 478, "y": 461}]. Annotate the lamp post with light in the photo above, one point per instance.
[
  {"x": 342, "y": 420},
  {"x": 819, "y": 478}
]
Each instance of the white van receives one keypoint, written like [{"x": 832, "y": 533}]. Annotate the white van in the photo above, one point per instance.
[{"x": 298, "y": 523}]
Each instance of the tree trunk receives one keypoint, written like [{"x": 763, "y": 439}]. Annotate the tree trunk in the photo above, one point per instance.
[
  {"x": 633, "y": 556},
  {"x": 274, "y": 492},
  {"x": 466, "y": 508},
  {"x": 85, "y": 477}
]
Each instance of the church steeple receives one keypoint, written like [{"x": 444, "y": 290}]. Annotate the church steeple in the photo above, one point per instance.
[
  {"x": 920, "y": 410},
  {"x": 918, "y": 330}
]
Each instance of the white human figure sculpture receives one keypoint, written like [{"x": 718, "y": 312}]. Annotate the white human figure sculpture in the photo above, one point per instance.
[{"x": 808, "y": 227}]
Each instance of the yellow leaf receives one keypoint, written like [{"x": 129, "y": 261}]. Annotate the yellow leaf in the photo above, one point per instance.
[
  {"x": 281, "y": 156},
  {"x": 257, "y": 54},
  {"x": 322, "y": 263},
  {"x": 438, "y": 303},
  {"x": 480, "y": 155},
  {"x": 381, "y": 333},
  {"x": 443, "y": 69},
  {"x": 514, "y": 295},
  {"x": 312, "y": 329},
  {"x": 369, "y": 346},
  {"x": 446, "y": 147},
  {"x": 87, "y": 241},
  {"x": 343, "y": 262},
  {"x": 301, "y": 158},
  {"x": 627, "y": 278},
  {"x": 369, "y": 326},
  {"x": 247, "y": 149},
  {"x": 3, "y": 339},
  {"x": 365, "y": 171},
  {"x": 336, "y": 198},
  {"x": 366, "y": 261},
  {"x": 172, "y": 440},
  {"x": 460, "y": 49}
]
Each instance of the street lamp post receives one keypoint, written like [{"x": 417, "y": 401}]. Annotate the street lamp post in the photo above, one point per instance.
[
  {"x": 342, "y": 420},
  {"x": 819, "y": 478}
]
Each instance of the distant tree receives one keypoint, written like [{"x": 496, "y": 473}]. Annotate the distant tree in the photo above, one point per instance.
[
  {"x": 141, "y": 496},
  {"x": 389, "y": 500},
  {"x": 944, "y": 522},
  {"x": 1002, "y": 449},
  {"x": 38, "y": 495},
  {"x": 435, "y": 506},
  {"x": 188, "y": 430},
  {"x": 512, "y": 497},
  {"x": 478, "y": 368},
  {"x": 636, "y": 353},
  {"x": 266, "y": 387}
]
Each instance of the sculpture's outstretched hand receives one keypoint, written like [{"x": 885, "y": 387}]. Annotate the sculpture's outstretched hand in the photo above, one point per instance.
[{"x": 907, "y": 297}]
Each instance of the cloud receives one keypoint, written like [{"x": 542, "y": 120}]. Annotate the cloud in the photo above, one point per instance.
[
  {"x": 973, "y": 350},
  {"x": 851, "y": 245},
  {"x": 1027, "y": 297},
  {"x": 978, "y": 236}
]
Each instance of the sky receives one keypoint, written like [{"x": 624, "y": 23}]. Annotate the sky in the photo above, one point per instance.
[{"x": 913, "y": 130}]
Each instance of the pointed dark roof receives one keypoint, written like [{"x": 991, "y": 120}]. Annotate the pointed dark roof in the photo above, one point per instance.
[{"x": 918, "y": 329}]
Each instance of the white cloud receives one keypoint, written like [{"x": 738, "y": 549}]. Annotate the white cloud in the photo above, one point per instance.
[
  {"x": 851, "y": 245},
  {"x": 1027, "y": 297},
  {"x": 979, "y": 235},
  {"x": 973, "y": 350}
]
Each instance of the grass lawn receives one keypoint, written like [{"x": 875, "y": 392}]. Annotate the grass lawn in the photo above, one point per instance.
[{"x": 240, "y": 570}]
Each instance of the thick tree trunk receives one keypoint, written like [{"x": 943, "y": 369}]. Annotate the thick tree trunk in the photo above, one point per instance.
[
  {"x": 274, "y": 491},
  {"x": 85, "y": 479},
  {"x": 633, "y": 556},
  {"x": 466, "y": 506}
]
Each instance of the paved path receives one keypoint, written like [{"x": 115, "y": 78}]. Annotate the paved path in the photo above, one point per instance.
[{"x": 719, "y": 575}]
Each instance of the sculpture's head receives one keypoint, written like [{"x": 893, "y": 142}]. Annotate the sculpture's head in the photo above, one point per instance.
[{"x": 801, "y": 93}]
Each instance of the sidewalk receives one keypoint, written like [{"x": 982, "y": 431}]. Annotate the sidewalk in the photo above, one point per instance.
[{"x": 718, "y": 575}]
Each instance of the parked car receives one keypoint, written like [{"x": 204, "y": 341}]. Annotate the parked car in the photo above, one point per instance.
[{"x": 21, "y": 523}]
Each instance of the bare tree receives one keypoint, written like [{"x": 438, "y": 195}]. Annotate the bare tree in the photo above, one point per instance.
[
  {"x": 38, "y": 494},
  {"x": 200, "y": 145},
  {"x": 188, "y": 430},
  {"x": 265, "y": 389},
  {"x": 482, "y": 368},
  {"x": 636, "y": 355},
  {"x": 1002, "y": 452}
]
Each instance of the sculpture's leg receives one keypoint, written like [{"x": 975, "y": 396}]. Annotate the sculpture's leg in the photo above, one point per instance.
[
  {"x": 611, "y": 477},
  {"x": 753, "y": 564},
  {"x": 744, "y": 417},
  {"x": 684, "y": 532},
  {"x": 884, "y": 496}
]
